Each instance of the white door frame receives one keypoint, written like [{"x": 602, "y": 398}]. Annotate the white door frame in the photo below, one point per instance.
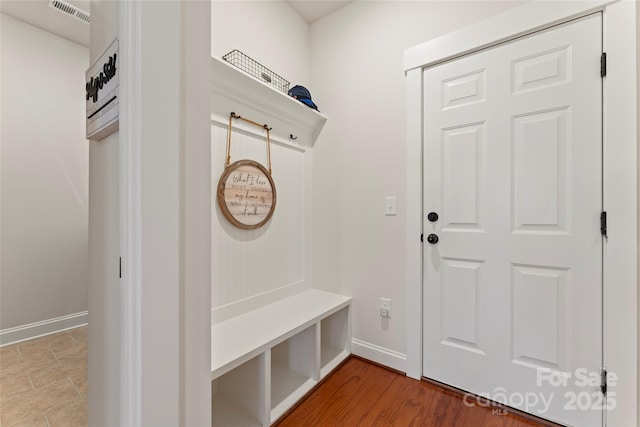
[
  {"x": 165, "y": 214},
  {"x": 619, "y": 164},
  {"x": 130, "y": 212}
]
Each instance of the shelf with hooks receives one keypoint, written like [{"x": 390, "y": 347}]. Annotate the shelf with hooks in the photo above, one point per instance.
[{"x": 234, "y": 90}]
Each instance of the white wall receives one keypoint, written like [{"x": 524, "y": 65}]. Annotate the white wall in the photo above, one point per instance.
[
  {"x": 105, "y": 311},
  {"x": 149, "y": 340},
  {"x": 359, "y": 159},
  {"x": 270, "y": 32},
  {"x": 171, "y": 177},
  {"x": 44, "y": 167}
]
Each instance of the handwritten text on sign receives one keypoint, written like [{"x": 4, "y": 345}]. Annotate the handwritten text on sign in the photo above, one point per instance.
[{"x": 248, "y": 195}]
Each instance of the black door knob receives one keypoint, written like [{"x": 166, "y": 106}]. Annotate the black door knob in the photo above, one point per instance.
[
  {"x": 432, "y": 238},
  {"x": 432, "y": 216}
]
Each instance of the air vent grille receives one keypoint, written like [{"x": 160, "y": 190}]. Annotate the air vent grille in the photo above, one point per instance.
[{"x": 70, "y": 10}]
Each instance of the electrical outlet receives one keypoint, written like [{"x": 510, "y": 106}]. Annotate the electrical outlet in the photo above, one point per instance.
[{"x": 385, "y": 307}]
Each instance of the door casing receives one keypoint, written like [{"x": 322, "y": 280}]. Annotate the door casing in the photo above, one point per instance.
[{"x": 619, "y": 173}]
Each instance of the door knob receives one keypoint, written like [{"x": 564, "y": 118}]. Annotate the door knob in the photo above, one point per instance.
[
  {"x": 432, "y": 238},
  {"x": 432, "y": 216}
]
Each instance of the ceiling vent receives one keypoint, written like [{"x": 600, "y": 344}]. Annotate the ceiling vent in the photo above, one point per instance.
[{"x": 71, "y": 10}]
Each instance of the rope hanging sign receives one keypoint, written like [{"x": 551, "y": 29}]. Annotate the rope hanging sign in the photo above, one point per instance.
[{"x": 246, "y": 192}]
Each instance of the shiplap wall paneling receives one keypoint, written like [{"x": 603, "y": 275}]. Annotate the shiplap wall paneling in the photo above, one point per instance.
[{"x": 246, "y": 263}]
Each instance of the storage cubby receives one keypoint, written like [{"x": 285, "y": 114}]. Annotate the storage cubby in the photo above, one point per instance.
[
  {"x": 265, "y": 360},
  {"x": 334, "y": 340},
  {"x": 238, "y": 399},
  {"x": 293, "y": 371}
]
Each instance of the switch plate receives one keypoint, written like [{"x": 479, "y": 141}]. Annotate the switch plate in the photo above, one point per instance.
[{"x": 390, "y": 205}]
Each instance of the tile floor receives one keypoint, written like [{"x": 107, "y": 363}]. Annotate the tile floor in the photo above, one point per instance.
[{"x": 43, "y": 382}]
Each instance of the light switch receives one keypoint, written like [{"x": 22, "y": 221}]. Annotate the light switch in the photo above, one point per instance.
[{"x": 390, "y": 205}]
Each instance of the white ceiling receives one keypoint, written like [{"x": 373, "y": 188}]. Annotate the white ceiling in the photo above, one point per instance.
[
  {"x": 39, "y": 14},
  {"x": 313, "y": 10}
]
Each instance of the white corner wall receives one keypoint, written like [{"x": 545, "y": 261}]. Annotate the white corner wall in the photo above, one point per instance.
[
  {"x": 358, "y": 81},
  {"x": 105, "y": 296},
  {"x": 149, "y": 340},
  {"x": 44, "y": 182},
  {"x": 270, "y": 32}
]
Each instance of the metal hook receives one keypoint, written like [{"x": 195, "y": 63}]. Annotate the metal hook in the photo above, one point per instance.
[
  {"x": 233, "y": 115},
  {"x": 293, "y": 138}
]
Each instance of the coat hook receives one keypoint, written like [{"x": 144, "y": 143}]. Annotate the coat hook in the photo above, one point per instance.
[{"x": 293, "y": 137}]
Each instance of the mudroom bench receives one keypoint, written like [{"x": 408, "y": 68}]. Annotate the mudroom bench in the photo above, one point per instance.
[{"x": 265, "y": 360}]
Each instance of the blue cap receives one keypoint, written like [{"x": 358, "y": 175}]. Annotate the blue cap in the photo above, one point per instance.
[{"x": 303, "y": 95}]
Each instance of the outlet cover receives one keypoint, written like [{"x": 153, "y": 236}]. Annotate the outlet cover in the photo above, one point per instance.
[{"x": 385, "y": 305}]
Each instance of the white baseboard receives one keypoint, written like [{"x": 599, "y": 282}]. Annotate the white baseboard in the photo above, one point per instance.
[
  {"x": 45, "y": 327},
  {"x": 389, "y": 358}
]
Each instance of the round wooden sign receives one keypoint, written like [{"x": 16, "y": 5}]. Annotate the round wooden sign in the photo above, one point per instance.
[{"x": 247, "y": 194}]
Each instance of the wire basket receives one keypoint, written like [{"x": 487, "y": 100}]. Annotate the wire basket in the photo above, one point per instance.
[{"x": 257, "y": 70}]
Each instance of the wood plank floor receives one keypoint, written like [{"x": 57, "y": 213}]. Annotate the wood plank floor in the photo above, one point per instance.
[{"x": 360, "y": 393}]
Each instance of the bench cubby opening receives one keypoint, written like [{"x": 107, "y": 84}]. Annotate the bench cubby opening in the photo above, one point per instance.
[
  {"x": 293, "y": 370},
  {"x": 335, "y": 337},
  {"x": 238, "y": 399}
]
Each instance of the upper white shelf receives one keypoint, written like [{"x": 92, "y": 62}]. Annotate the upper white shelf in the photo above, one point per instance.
[{"x": 236, "y": 88}]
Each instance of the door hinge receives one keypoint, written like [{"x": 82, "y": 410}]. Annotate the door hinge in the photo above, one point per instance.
[
  {"x": 603, "y": 223},
  {"x": 422, "y": 238},
  {"x": 603, "y": 380},
  {"x": 603, "y": 64},
  {"x": 120, "y": 272}
]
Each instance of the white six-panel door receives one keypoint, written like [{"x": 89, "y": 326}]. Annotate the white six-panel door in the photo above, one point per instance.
[{"x": 513, "y": 168}]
